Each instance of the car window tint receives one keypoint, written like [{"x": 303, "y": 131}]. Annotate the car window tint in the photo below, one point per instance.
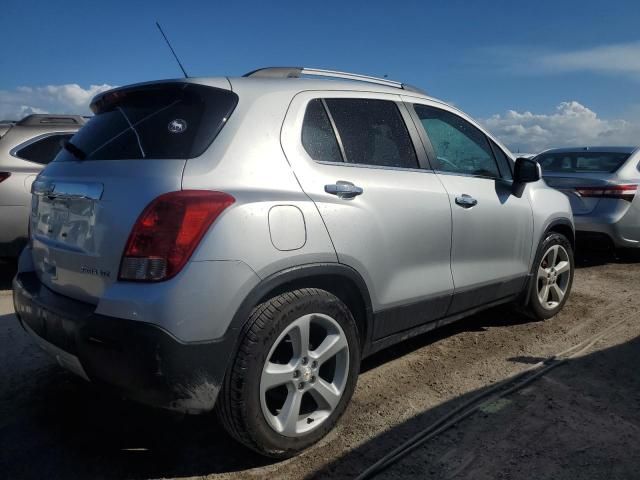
[
  {"x": 459, "y": 146},
  {"x": 157, "y": 121},
  {"x": 578, "y": 162},
  {"x": 318, "y": 137},
  {"x": 44, "y": 150},
  {"x": 503, "y": 161},
  {"x": 372, "y": 132}
]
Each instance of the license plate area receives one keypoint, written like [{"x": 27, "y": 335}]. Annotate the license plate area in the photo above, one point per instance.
[{"x": 65, "y": 221}]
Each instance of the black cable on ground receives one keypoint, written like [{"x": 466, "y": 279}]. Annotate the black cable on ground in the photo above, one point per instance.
[{"x": 472, "y": 405}]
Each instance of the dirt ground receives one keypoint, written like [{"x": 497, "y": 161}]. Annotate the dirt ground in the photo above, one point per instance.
[{"x": 582, "y": 420}]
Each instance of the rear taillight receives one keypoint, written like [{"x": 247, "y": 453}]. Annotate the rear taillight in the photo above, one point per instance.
[
  {"x": 168, "y": 231},
  {"x": 4, "y": 176},
  {"x": 624, "y": 192}
]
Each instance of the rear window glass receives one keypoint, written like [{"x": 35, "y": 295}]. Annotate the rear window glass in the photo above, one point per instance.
[
  {"x": 170, "y": 120},
  {"x": 372, "y": 132},
  {"x": 44, "y": 150},
  {"x": 581, "y": 162}
]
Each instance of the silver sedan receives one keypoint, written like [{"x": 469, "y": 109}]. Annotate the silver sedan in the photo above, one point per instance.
[{"x": 602, "y": 185}]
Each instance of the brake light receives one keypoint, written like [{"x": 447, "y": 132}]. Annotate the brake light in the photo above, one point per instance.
[
  {"x": 624, "y": 192},
  {"x": 4, "y": 176},
  {"x": 168, "y": 231}
]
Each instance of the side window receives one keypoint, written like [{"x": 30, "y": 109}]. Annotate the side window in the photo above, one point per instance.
[
  {"x": 503, "y": 161},
  {"x": 556, "y": 163},
  {"x": 44, "y": 150},
  {"x": 318, "y": 137},
  {"x": 459, "y": 146},
  {"x": 372, "y": 132}
]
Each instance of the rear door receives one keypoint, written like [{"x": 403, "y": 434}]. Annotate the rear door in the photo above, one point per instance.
[
  {"x": 492, "y": 227},
  {"x": 133, "y": 150},
  {"x": 388, "y": 217}
]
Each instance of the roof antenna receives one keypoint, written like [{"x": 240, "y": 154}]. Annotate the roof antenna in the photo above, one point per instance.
[{"x": 172, "y": 50}]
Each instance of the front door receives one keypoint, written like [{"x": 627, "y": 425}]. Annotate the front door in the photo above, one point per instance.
[
  {"x": 492, "y": 227},
  {"x": 388, "y": 217}
]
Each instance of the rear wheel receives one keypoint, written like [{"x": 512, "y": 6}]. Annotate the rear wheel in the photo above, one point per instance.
[
  {"x": 552, "y": 277},
  {"x": 294, "y": 373}
]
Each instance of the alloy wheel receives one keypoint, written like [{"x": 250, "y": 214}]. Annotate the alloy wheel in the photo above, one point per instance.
[
  {"x": 305, "y": 374},
  {"x": 554, "y": 273}
]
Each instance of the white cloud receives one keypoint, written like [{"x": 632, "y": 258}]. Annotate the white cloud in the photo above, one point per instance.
[
  {"x": 69, "y": 98},
  {"x": 621, "y": 59},
  {"x": 572, "y": 124},
  {"x": 617, "y": 58}
]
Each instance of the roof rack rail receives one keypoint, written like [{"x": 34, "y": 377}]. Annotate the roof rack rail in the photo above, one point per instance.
[
  {"x": 297, "y": 72},
  {"x": 39, "y": 119}
]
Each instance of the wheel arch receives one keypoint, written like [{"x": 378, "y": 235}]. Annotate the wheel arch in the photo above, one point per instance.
[
  {"x": 563, "y": 226},
  {"x": 342, "y": 281}
]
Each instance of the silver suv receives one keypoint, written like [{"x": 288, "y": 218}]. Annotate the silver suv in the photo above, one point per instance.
[
  {"x": 25, "y": 148},
  {"x": 244, "y": 242}
]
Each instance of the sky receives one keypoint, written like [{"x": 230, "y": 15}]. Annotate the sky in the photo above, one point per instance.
[{"x": 537, "y": 74}]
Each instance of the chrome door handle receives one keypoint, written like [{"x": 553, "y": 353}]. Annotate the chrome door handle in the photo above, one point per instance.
[
  {"x": 343, "y": 189},
  {"x": 466, "y": 201}
]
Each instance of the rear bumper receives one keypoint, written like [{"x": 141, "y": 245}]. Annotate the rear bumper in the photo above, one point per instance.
[
  {"x": 619, "y": 220},
  {"x": 139, "y": 360},
  {"x": 621, "y": 233}
]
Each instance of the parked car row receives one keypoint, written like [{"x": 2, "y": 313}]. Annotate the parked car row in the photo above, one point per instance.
[
  {"x": 240, "y": 244},
  {"x": 26, "y": 147}
]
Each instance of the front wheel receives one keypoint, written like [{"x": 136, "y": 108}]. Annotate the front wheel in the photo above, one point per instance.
[
  {"x": 552, "y": 277},
  {"x": 294, "y": 373}
]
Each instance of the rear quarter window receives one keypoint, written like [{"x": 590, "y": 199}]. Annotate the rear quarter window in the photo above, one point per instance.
[
  {"x": 159, "y": 121},
  {"x": 42, "y": 150}
]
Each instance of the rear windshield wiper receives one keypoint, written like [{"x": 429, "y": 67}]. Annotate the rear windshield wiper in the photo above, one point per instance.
[{"x": 73, "y": 150}]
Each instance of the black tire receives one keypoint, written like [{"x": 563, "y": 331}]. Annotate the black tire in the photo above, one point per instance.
[
  {"x": 239, "y": 402},
  {"x": 534, "y": 307}
]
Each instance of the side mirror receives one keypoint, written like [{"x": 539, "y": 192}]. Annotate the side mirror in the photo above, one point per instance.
[{"x": 526, "y": 170}]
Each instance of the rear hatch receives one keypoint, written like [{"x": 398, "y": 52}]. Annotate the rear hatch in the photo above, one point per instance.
[
  {"x": 581, "y": 175},
  {"x": 134, "y": 149}
]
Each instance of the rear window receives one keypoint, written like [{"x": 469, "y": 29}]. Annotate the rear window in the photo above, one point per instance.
[
  {"x": 581, "y": 162},
  {"x": 169, "y": 120},
  {"x": 372, "y": 132}
]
